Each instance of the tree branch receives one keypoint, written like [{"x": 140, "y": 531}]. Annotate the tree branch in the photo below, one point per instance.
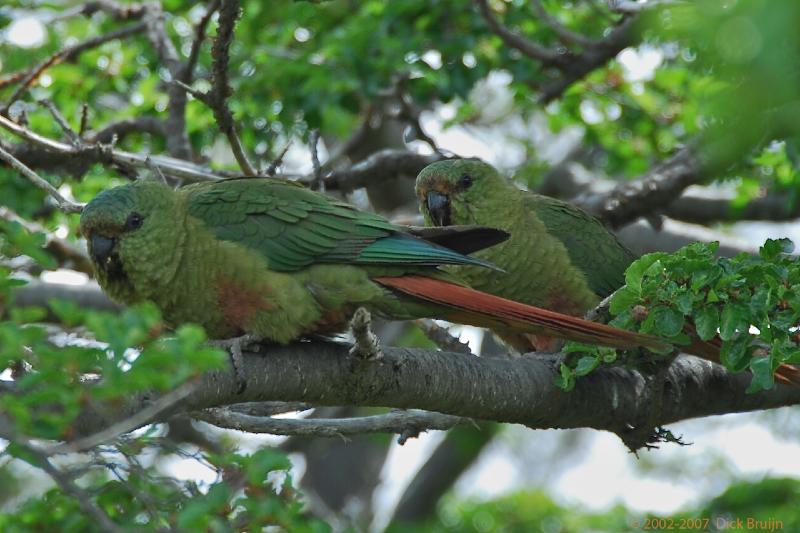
[
  {"x": 404, "y": 423},
  {"x": 229, "y": 13},
  {"x": 107, "y": 155},
  {"x": 699, "y": 210},
  {"x": 381, "y": 165},
  {"x": 177, "y": 137},
  {"x": 547, "y": 56},
  {"x": 64, "y": 54},
  {"x": 520, "y": 390},
  {"x": 572, "y": 66},
  {"x": 63, "y": 204}
]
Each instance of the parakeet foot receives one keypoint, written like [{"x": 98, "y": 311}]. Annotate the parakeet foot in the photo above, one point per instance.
[
  {"x": 366, "y": 346},
  {"x": 234, "y": 346}
]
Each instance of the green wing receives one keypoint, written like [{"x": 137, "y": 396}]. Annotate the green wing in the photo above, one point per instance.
[
  {"x": 294, "y": 227},
  {"x": 592, "y": 248}
]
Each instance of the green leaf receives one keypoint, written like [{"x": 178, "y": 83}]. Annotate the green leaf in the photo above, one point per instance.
[
  {"x": 763, "y": 376},
  {"x": 586, "y": 364},
  {"x": 566, "y": 378},
  {"x": 663, "y": 321},
  {"x": 637, "y": 269},
  {"x": 734, "y": 318},
  {"x": 735, "y": 354},
  {"x": 706, "y": 322},
  {"x": 623, "y": 299},
  {"x": 773, "y": 248}
]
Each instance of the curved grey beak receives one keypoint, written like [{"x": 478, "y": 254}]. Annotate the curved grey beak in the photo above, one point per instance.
[
  {"x": 438, "y": 205},
  {"x": 100, "y": 247}
]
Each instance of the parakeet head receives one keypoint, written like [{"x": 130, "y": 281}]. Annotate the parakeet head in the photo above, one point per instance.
[
  {"x": 132, "y": 231},
  {"x": 449, "y": 192}
]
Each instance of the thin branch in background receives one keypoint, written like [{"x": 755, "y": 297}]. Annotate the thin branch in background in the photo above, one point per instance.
[
  {"x": 268, "y": 408},
  {"x": 64, "y": 251},
  {"x": 632, "y": 6},
  {"x": 272, "y": 169},
  {"x": 106, "y": 155},
  {"x": 443, "y": 338},
  {"x": 64, "y": 205},
  {"x": 313, "y": 144},
  {"x": 405, "y": 423},
  {"x": 156, "y": 171},
  {"x": 197, "y": 43},
  {"x": 126, "y": 126},
  {"x": 546, "y": 56},
  {"x": 62, "y": 479},
  {"x": 114, "y": 9},
  {"x": 381, "y": 165},
  {"x": 565, "y": 35},
  {"x": 572, "y": 65},
  {"x": 217, "y": 97},
  {"x": 84, "y": 119},
  {"x": 66, "y": 54},
  {"x": 366, "y": 347},
  {"x": 177, "y": 138},
  {"x": 140, "y": 418},
  {"x": 71, "y": 134}
]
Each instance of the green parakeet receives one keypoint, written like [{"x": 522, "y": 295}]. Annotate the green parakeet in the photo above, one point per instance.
[
  {"x": 557, "y": 256},
  {"x": 275, "y": 259}
]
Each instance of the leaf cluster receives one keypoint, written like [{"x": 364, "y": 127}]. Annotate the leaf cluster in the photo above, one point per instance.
[{"x": 746, "y": 306}]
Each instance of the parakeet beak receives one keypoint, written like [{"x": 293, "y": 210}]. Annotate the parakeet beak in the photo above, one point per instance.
[
  {"x": 438, "y": 205},
  {"x": 101, "y": 247}
]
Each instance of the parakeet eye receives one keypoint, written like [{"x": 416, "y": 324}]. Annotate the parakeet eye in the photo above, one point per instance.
[
  {"x": 465, "y": 181},
  {"x": 135, "y": 221}
]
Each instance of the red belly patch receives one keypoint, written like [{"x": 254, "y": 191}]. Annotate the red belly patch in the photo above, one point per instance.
[{"x": 240, "y": 304}]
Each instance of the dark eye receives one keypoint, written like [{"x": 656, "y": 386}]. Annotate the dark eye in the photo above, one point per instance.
[
  {"x": 135, "y": 221},
  {"x": 465, "y": 181}
]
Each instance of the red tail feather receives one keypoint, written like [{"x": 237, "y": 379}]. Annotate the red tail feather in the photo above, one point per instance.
[
  {"x": 710, "y": 350},
  {"x": 487, "y": 310}
]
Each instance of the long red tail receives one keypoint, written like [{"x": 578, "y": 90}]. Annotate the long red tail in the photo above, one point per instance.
[
  {"x": 487, "y": 310},
  {"x": 710, "y": 350}
]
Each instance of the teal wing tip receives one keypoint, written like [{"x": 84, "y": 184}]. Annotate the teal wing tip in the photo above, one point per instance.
[{"x": 480, "y": 262}]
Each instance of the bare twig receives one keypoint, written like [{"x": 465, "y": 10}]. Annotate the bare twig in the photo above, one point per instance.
[
  {"x": 71, "y": 134},
  {"x": 177, "y": 137},
  {"x": 443, "y": 338},
  {"x": 156, "y": 170},
  {"x": 126, "y": 126},
  {"x": 114, "y": 9},
  {"x": 220, "y": 88},
  {"x": 632, "y": 6},
  {"x": 366, "y": 346},
  {"x": 63, "y": 204},
  {"x": 137, "y": 420},
  {"x": 381, "y": 165},
  {"x": 177, "y": 168},
  {"x": 278, "y": 161},
  {"x": 547, "y": 56},
  {"x": 200, "y": 35},
  {"x": 572, "y": 65},
  {"x": 564, "y": 34},
  {"x": 64, "y": 55},
  {"x": 64, "y": 481},
  {"x": 400, "y": 422},
  {"x": 261, "y": 409},
  {"x": 84, "y": 119}
]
